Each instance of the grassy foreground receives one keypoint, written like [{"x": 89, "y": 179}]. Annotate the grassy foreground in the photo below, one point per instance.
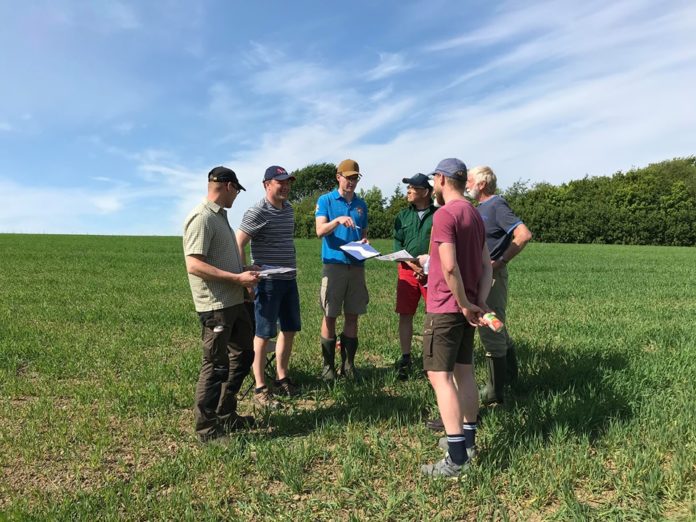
[{"x": 99, "y": 354}]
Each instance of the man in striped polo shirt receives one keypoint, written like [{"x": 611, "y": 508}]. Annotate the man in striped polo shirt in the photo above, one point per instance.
[
  {"x": 270, "y": 226},
  {"x": 217, "y": 279}
]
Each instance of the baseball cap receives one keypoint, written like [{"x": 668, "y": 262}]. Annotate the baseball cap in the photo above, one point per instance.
[
  {"x": 223, "y": 174},
  {"x": 418, "y": 180},
  {"x": 276, "y": 172},
  {"x": 452, "y": 168},
  {"x": 348, "y": 168}
]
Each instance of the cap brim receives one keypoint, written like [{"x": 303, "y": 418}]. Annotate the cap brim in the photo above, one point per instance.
[
  {"x": 350, "y": 173},
  {"x": 283, "y": 177},
  {"x": 240, "y": 187}
]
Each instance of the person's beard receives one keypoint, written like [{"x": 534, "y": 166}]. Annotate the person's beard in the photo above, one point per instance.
[
  {"x": 439, "y": 198},
  {"x": 473, "y": 193}
]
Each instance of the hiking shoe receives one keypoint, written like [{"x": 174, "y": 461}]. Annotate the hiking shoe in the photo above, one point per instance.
[
  {"x": 265, "y": 399},
  {"x": 472, "y": 453},
  {"x": 214, "y": 434},
  {"x": 444, "y": 468},
  {"x": 286, "y": 387},
  {"x": 239, "y": 422},
  {"x": 435, "y": 424},
  {"x": 403, "y": 368}
]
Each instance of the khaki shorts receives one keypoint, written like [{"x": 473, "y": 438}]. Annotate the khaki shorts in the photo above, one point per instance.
[
  {"x": 343, "y": 288},
  {"x": 448, "y": 339}
]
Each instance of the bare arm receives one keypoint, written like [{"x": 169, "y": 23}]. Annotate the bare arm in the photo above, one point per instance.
[
  {"x": 242, "y": 239},
  {"x": 324, "y": 227},
  {"x": 520, "y": 237},
  {"x": 198, "y": 266},
  {"x": 453, "y": 278}
]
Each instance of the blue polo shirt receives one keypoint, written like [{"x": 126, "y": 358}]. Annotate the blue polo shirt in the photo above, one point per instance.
[
  {"x": 500, "y": 221},
  {"x": 331, "y": 206}
]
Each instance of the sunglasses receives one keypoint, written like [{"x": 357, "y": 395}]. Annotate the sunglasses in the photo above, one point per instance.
[{"x": 353, "y": 179}]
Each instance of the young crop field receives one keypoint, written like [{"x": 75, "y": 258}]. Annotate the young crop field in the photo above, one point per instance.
[{"x": 100, "y": 352}]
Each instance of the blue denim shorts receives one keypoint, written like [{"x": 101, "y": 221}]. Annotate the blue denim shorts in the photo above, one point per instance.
[{"x": 277, "y": 300}]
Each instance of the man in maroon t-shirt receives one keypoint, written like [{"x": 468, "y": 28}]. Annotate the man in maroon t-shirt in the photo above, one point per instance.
[{"x": 459, "y": 280}]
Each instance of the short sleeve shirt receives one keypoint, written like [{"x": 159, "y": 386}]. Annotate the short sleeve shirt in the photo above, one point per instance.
[
  {"x": 331, "y": 206},
  {"x": 500, "y": 222},
  {"x": 272, "y": 231},
  {"x": 412, "y": 231},
  {"x": 208, "y": 233},
  {"x": 457, "y": 223}
]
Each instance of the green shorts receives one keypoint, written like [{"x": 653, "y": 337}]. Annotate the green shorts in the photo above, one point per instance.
[{"x": 448, "y": 339}]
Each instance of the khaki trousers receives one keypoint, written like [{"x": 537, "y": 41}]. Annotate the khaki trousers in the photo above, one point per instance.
[{"x": 496, "y": 344}]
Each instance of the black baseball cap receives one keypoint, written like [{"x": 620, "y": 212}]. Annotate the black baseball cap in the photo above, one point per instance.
[
  {"x": 418, "y": 180},
  {"x": 223, "y": 174}
]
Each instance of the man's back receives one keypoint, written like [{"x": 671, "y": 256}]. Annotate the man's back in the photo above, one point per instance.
[{"x": 460, "y": 224}]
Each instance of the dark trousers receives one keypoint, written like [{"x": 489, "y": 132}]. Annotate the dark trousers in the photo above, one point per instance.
[{"x": 228, "y": 353}]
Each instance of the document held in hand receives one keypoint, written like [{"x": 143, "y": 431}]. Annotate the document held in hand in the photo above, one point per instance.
[
  {"x": 359, "y": 251},
  {"x": 268, "y": 270},
  {"x": 401, "y": 255}
]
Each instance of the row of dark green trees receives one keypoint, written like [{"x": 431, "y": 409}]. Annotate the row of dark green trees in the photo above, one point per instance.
[{"x": 655, "y": 205}]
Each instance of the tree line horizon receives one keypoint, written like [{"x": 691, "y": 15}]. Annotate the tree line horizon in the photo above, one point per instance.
[{"x": 653, "y": 205}]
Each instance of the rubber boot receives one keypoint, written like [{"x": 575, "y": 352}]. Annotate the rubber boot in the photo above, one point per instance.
[
  {"x": 492, "y": 392},
  {"x": 328, "y": 351},
  {"x": 349, "y": 347},
  {"x": 512, "y": 368}
]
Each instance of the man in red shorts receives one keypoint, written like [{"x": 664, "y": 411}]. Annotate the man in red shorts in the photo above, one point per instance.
[
  {"x": 459, "y": 280},
  {"x": 412, "y": 233}
]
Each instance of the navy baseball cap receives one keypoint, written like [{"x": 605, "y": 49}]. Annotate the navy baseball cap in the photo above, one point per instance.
[
  {"x": 418, "y": 180},
  {"x": 452, "y": 168},
  {"x": 223, "y": 174},
  {"x": 276, "y": 172}
]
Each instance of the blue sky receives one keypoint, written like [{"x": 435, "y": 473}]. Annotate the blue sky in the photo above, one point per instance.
[{"x": 112, "y": 112}]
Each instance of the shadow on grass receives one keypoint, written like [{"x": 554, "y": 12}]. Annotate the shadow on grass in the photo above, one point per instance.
[
  {"x": 578, "y": 392},
  {"x": 371, "y": 399}
]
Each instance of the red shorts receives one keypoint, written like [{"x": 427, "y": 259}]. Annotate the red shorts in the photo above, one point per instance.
[{"x": 408, "y": 291}]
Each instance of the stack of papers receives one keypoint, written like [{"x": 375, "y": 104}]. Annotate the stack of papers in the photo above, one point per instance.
[
  {"x": 401, "y": 255},
  {"x": 268, "y": 270},
  {"x": 359, "y": 251}
]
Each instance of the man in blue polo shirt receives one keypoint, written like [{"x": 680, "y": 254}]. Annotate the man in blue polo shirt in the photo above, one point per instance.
[
  {"x": 506, "y": 236},
  {"x": 341, "y": 217}
]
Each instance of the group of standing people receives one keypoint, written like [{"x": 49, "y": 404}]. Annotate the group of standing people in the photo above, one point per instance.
[{"x": 458, "y": 257}]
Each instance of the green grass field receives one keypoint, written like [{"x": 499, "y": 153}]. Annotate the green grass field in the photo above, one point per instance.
[{"x": 99, "y": 355}]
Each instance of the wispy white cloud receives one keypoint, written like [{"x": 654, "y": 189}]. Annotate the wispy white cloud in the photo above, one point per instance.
[
  {"x": 5, "y": 126},
  {"x": 547, "y": 91},
  {"x": 389, "y": 65}
]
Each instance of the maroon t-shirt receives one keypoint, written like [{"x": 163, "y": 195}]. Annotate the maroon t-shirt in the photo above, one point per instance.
[{"x": 460, "y": 224}]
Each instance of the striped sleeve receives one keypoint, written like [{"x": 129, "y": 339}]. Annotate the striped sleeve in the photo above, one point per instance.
[{"x": 253, "y": 221}]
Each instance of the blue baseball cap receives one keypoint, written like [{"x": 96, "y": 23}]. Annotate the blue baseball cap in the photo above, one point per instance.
[
  {"x": 276, "y": 172},
  {"x": 452, "y": 168}
]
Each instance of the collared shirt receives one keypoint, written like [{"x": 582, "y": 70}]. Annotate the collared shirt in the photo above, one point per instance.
[
  {"x": 411, "y": 233},
  {"x": 208, "y": 233},
  {"x": 500, "y": 222},
  {"x": 272, "y": 231},
  {"x": 331, "y": 206}
]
